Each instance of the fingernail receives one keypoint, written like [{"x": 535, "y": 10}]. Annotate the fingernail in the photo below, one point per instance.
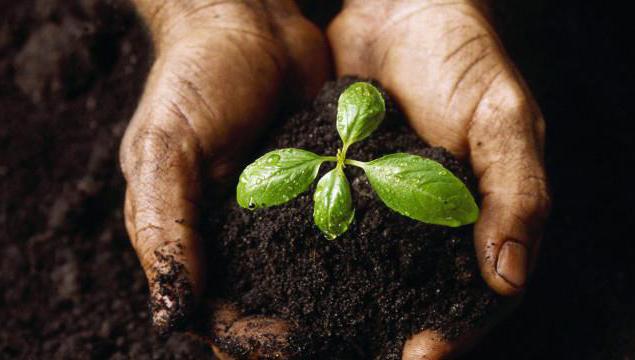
[{"x": 512, "y": 263}]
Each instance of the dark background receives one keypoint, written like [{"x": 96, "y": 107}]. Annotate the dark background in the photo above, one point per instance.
[{"x": 70, "y": 285}]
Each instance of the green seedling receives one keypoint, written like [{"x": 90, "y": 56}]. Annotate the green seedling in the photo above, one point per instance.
[{"x": 416, "y": 187}]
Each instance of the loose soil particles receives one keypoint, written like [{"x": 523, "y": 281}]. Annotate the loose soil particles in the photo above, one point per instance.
[{"x": 361, "y": 295}]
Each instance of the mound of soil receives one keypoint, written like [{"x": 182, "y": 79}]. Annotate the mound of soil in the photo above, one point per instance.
[{"x": 361, "y": 295}]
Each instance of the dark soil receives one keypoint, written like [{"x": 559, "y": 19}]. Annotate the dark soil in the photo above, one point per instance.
[
  {"x": 72, "y": 288},
  {"x": 70, "y": 285},
  {"x": 362, "y": 294}
]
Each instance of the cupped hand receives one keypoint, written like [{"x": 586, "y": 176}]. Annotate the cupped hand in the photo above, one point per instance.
[
  {"x": 219, "y": 71},
  {"x": 446, "y": 67}
]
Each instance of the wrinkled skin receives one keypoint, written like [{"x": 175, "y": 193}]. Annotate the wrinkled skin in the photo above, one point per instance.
[{"x": 219, "y": 72}]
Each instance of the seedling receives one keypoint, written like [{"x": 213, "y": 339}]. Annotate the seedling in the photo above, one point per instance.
[{"x": 411, "y": 185}]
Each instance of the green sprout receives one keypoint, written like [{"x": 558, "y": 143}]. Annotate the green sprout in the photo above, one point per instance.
[{"x": 416, "y": 187}]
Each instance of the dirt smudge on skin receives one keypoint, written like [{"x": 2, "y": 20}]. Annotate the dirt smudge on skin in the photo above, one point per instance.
[{"x": 171, "y": 295}]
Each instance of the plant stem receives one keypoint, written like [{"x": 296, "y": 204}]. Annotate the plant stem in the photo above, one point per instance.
[
  {"x": 329, "y": 158},
  {"x": 359, "y": 164},
  {"x": 341, "y": 155},
  {"x": 344, "y": 150}
]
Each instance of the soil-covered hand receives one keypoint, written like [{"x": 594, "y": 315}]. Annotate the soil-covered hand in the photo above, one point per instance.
[
  {"x": 445, "y": 66},
  {"x": 219, "y": 69}
]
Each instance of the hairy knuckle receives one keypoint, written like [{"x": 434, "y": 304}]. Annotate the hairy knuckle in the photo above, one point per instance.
[
  {"x": 506, "y": 115},
  {"x": 534, "y": 198},
  {"x": 152, "y": 148},
  {"x": 510, "y": 102}
]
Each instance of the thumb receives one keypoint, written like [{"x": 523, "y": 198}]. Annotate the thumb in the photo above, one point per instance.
[
  {"x": 506, "y": 141},
  {"x": 160, "y": 164}
]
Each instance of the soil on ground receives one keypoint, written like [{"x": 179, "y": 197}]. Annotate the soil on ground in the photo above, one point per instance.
[
  {"x": 70, "y": 285},
  {"x": 362, "y": 294}
]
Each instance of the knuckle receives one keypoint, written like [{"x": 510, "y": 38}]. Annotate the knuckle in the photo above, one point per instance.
[
  {"x": 154, "y": 150},
  {"x": 534, "y": 200},
  {"x": 514, "y": 98},
  {"x": 501, "y": 101},
  {"x": 507, "y": 113},
  {"x": 505, "y": 104},
  {"x": 145, "y": 145}
]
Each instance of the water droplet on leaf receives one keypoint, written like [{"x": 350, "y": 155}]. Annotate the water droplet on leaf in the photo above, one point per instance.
[{"x": 273, "y": 159}]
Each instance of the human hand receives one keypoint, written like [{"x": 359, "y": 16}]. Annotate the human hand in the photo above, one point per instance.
[
  {"x": 444, "y": 64},
  {"x": 220, "y": 67}
]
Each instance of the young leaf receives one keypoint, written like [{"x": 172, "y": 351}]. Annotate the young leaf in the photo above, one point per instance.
[
  {"x": 421, "y": 189},
  {"x": 333, "y": 207},
  {"x": 277, "y": 177},
  {"x": 360, "y": 110}
]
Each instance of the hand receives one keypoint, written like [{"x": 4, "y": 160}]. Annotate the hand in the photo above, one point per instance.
[
  {"x": 445, "y": 66},
  {"x": 220, "y": 67}
]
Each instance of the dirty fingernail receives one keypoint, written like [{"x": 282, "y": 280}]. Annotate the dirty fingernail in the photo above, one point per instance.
[{"x": 512, "y": 263}]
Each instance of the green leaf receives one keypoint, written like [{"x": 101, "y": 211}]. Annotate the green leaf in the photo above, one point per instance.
[
  {"x": 333, "y": 206},
  {"x": 277, "y": 177},
  {"x": 360, "y": 110},
  {"x": 421, "y": 189}
]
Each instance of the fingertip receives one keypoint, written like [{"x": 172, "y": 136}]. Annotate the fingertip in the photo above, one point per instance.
[
  {"x": 254, "y": 337},
  {"x": 163, "y": 233},
  {"x": 172, "y": 297},
  {"x": 505, "y": 246},
  {"x": 428, "y": 345},
  {"x": 171, "y": 290},
  {"x": 505, "y": 267}
]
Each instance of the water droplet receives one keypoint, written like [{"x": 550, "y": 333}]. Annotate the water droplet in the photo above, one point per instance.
[{"x": 273, "y": 159}]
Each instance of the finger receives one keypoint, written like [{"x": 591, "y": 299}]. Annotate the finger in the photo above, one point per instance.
[
  {"x": 161, "y": 169},
  {"x": 428, "y": 345},
  {"x": 505, "y": 141},
  {"x": 232, "y": 335},
  {"x": 309, "y": 64},
  {"x": 431, "y": 345}
]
